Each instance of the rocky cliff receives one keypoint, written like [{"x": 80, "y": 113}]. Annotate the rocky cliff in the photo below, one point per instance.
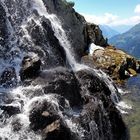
[{"x": 45, "y": 92}]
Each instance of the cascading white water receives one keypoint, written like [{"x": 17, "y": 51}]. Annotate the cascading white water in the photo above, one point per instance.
[
  {"x": 62, "y": 37},
  {"x": 14, "y": 61},
  {"x": 20, "y": 94},
  {"x": 6, "y": 130},
  {"x": 58, "y": 30}
]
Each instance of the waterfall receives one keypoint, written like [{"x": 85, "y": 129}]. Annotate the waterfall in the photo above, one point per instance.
[
  {"x": 59, "y": 32},
  {"x": 62, "y": 37},
  {"x": 23, "y": 99}
]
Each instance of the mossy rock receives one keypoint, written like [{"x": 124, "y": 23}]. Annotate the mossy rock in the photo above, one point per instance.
[
  {"x": 133, "y": 72},
  {"x": 114, "y": 62}
]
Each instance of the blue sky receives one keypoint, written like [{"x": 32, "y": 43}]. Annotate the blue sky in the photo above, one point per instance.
[{"x": 110, "y": 12}]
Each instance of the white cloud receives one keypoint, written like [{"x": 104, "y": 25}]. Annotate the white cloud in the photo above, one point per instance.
[
  {"x": 114, "y": 20},
  {"x": 128, "y": 21},
  {"x": 137, "y": 9},
  {"x": 107, "y": 18}
]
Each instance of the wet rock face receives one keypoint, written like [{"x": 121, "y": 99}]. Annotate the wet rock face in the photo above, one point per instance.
[
  {"x": 72, "y": 22},
  {"x": 80, "y": 33},
  {"x": 81, "y": 97},
  {"x": 21, "y": 31},
  {"x": 98, "y": 103},
  {"x": 30, "y": 67},
  {"x": 44, "y": 37},
  {"x": 40, "y": 39},
  {"x": 42, "y": 114},
  {"x": 62, "y": 82},
  {"x": 93, "y": 86},
  {"x": 85, "y": 92},
  {"x": 45, "y": 116},
  {"x": 92, "y": 82},
  {"x": 9, "y": 110}
]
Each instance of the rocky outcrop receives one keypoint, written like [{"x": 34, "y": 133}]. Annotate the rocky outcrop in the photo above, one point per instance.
[
  {"x": 73, "y": 23},
  {"x": 93, "y": 34},
  {"x": 118, "y": 64}
]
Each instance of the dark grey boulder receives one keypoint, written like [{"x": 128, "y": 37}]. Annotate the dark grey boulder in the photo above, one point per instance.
[
  {"x": 10, "y": 109},
  {"x": 61, "y": 81},
  {"x": 30, "y": 67},
  {"x": 93, "y": 34}
]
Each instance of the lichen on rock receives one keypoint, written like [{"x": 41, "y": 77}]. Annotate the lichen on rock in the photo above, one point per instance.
[{"x": 115, "y": 62}]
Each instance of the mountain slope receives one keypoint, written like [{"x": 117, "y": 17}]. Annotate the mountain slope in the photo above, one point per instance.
[
  {"x": 122, "y": 28},
  {"x": 128, "y": 41},
  {"x": 107, "y": 31}
]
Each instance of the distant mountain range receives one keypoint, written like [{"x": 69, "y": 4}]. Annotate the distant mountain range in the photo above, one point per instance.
[
  {"x": 107, "y": 31},
  {"x": 128, "y": 41},
  {"x": 122, "y": 28},
  {"x": 110, "y": 31}
]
